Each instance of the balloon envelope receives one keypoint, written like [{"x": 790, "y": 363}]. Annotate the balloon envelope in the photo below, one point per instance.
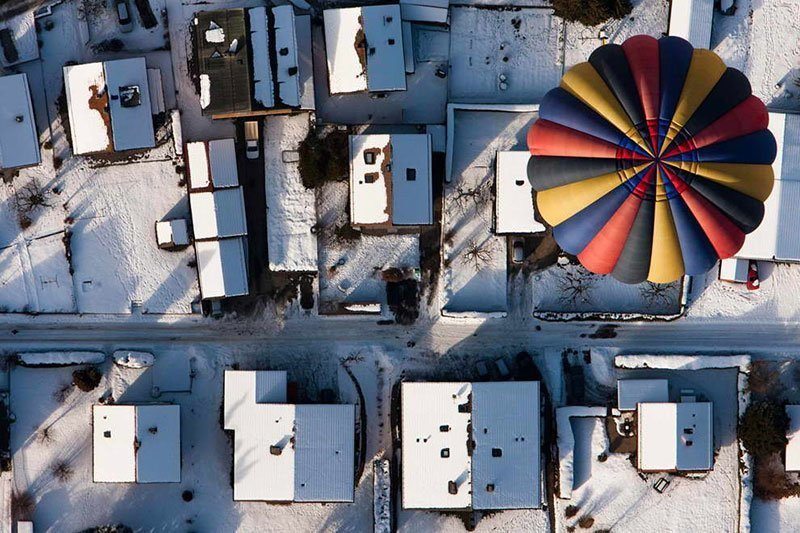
[{"x": 652, "y": 160}]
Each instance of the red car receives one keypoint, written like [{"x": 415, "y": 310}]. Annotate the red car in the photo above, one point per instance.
[{"x": 752, "y": 276}]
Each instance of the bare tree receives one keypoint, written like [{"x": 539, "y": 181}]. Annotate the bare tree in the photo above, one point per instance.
[
  {"x": 576, "y": 286},
  {"x": 46, "y": 435},
  {"x": 475, "y": 197},
  {"x": 657, "y": 294},
  {"x": 62, "y": 471},
  {"x": 90, "y": 9},
  {"x": 478, "y": 255},
  {"x": 32, "y": 196},
  {"x": 62, "y": 393}
]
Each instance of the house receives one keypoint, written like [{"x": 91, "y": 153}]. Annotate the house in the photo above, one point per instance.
[
  {"x": 219, "y": 221},
  {"x": 109, "y": 106},
  {"x": 284, "y": 452},
  {"x": 632, "y": 392},
  {"x": 777, "y": 239},
  {"x": 391, "y": 180},
  {"x": 136, "y": 443},
  {"x": 364, "y": 48},
  {"x": 691, "y": 20},
  {"x": 514, "y": 211},
  {"x": 471, "y": 445},
  {"x": 237, "y": 76},
  {"x": 675, "y": 437},
  {"x": 19, "y": 140}
]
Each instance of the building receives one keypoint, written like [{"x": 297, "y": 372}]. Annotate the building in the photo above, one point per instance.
[
  {"x": 19, "y": 140},
  {"x": 237, "y": 76},
  {"x": 632, "y": 392},
  {"x": 136, "y": 443},
  {"x": 792, "y": 459},
  {"x": 364, "y": 48},
  {"x": 734, "y": 270},
  {"x": 777, "y": 239},
  {"x": 691, "y": 20},
  {"x": 471, "y": 445},
  {"x": 109, "y": 106},
  {"x": 219, "y": 221},
  {"x": 285, "y": 452},
  {"x": 390, "y": 180},
  {"x": 675, "y": 437},
  {"x": 429, "y": 11},
  {"x": 172, "y": 233},
  {"x": 514, "y": 211}
]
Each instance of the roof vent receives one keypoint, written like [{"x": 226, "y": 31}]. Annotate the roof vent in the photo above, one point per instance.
[{"x": 452, "y": 488}]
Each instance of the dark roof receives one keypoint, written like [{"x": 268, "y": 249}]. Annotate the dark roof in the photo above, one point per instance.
[{"x": 227, "y": 65}]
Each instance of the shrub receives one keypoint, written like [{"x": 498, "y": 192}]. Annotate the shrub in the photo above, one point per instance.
[
  {"x": 763, "y": 428},
  {"x": 22, "y": 504},
  {"x": 770, "y": 481},
  {"x": 62, "y": 471},
  {"x": 323, "y": 159},
  {"x": 586, "y": 522},
  {"x": 87, "y": 379},
  {"x": 571, "y": 511},
  {"x": 591, "y": 12},
  {"x": 763, "y": 377}
]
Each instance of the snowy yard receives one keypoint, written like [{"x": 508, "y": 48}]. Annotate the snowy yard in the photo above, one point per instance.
[{"x": 474, "y": 268}]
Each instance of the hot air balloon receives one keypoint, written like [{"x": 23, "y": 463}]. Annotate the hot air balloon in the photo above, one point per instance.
[{"x": 652, "y": 160}]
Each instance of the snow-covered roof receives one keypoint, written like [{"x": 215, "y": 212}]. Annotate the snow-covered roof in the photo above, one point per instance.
[
  {"x": 793, "y": 437},
  {"x": 24, "y": 36},
  {"x": 287, "y": 452},
  {"x": 89, "y": 123},
  {"x": 434, "y": 11},
  {"x": 212, "y": 164},
  {"x": 158, "y": 431},
  {"x": 324, "y": 453},
  {"x": 691, "y": 19},
  {"x": 776, "y": 238},
  {"x": 19, "y": 141},
  {"x": 129, "y": 104},
  {"x": 172, "y": 232},
  {"x": 116, "y": 431},
  {"x": 514, "y": 211},
  {"x": 286, "y": 47},
  {"x": 438, "y": 471},
  {"x": 734, "y": 269},
  {"x": 305, "y": 58},
  {"x": 262, "y": 71},
  {"x": 675, "y": 436},
  {"x": 122, "y": 87},
  {"x": 390, "y": 179},
  {"x": 365, "y": 49},
  {"x": 222, "y": 267},
  {"x": 506, "y": 458},
  {"x": 631, "y": 392},
  {"x": 218, "y": 213}
]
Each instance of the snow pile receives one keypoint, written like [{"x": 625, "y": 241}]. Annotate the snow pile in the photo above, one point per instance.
[
  {"x": 566, "y": 443},
  {"x": 60, "y": 358},
  {"x": 132, "y": 359}
]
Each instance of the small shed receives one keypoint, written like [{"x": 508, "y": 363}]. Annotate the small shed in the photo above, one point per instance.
[
  {"x": 172, "y": 233},
  {"x": 734, "y": 269}
]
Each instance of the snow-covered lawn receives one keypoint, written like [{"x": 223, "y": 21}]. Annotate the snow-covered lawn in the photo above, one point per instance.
[
  {"x": 566, "y": 288},
  {"x": 503, "y": 56},
  {"x": 474, "y": 269},
  {"x": 350, "y": 269}
]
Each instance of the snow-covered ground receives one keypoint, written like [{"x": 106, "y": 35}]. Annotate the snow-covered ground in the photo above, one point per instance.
[
  {"x": 474, "y": 259},
  {"x": 350, "y": 268}
]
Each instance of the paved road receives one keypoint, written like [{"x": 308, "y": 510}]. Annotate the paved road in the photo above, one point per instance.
[{"x": 672, "y": 337}]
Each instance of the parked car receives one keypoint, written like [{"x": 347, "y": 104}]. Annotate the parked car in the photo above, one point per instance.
[
  {"x": 518, "y": 251},
  {"x": 124, "y": 16},
  {"x": 251, "y": 138}
]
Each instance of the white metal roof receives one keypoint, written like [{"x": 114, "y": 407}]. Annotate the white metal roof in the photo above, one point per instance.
[
  {"x": 131, "y": 127},
  {"x": 199, "y": 171},
  {"x": 435, "y": 11},
  {"x": 305, "y": 54},
  {"x": 691, "y": 19},
  {"x": 172, "y": 232},
  {"x": 346, "y": 72},
  {"x": 113, "y": 435},
  {"x": 286, "y": 51},
  {"x": 506, "y": 461},
  {"x": 262, "y": 71},
  {"x": 90, "y": 127},
  {"x": 222, "y": 158},
  {"x": 514, "y": 211},
  {"x": 158, "y": 429},
  {"x": 324, "y": 453},
  {"x": 222, "y": 267},
  {"x": 386, "y": 65},
  {"x": 675, "y": 436},
  {"x": 431, "y": 422},
  {"x": 631, "y": 392},
  {"x": 383, "y": 67},
  {"x": 316, "y": 442},
  {"x": 19, "y": 140},
  {"x": 793, "y": 436},
  {"x": 777, "y": 237},
  {"x": 218, "y": 213},
  {"x": 403, "y": 182}
]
